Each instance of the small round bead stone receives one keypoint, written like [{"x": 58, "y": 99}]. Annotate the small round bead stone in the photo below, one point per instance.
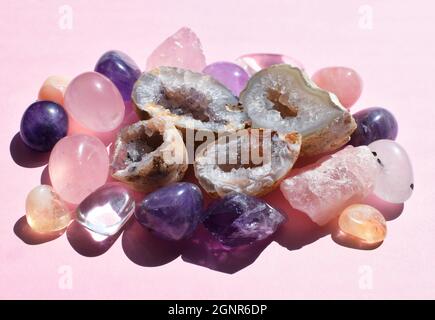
[
  {"x": 45, "y": 211},
  {"x": 373, "y": 124},
  {"x": 121, "y": 70},
  {"x": 395, "y": 182},
  {"x": 53, "y": 89},
  {"x": 172, "y": 212},
  {"x": 229, "y": 74},
  {"x": 344, "y": 82},
  {"x": 43, "y": 124},
  {"x": 78, "y": 165},
  {"x": 363, "y": 222},
  {"x": 94, "y": 102}
]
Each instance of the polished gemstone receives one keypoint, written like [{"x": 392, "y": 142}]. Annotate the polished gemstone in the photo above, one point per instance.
[
  {"x": 344, "y": 82},
  {"x": 94, "y": 103},
  {"x": 121, "y": 70},
  {"x": 229, "y": 74},
  {"x": 373, "y": 124},
  {"x": 238, "y": 219},
  {"x": 107, "y": 209},
  {"x": 255, "y": 62},
  {"x": 53, "y": 89},
  {"x": 323, "y": 191},
  {"x": 395, "y": 183},
  {"x": 172, "y": 212},
  {"x": 78, "y": 165},
  {"x": 43, "y": 124},
  {"x": 45, "y": 211},
  {"x": 182, "y": 50},
  {"x": 363, "y": 222}
]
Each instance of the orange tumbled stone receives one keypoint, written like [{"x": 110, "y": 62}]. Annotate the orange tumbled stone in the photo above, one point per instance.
[
  {"x": 363, "y": 222},
  {"x": 53, "y": 89}
]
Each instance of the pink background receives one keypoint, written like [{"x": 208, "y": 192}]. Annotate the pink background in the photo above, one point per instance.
[{"x": 396, "y": 59}]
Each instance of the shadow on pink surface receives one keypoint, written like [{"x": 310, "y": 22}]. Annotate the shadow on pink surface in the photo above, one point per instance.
[
  {"x": 23, "y": 231},
  {"x": 24, "y": 156},
  {"x": 87, "y": 242},
  {"x": 147, "y": 250}
]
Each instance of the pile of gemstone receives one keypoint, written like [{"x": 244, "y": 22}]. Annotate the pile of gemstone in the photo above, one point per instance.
[{"x": 110, "y": 132}]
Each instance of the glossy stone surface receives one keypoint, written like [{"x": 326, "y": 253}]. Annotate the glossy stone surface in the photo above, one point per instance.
[
  {"x": 238, "y": 219},
  {"x": 53, "y": 89},
  {"x": 78, "y": 165},
  {"x": 120, "y": 69},
  {"x": 43, "y": 124},
  {"x": 172, "y": 212},
  {"x": 344, "y": 82},
  {"x": 94, "y": 102},
  {"x": 182, "y": 50},
  {"x": 254, "y": 62},
  {"x": 373, "y": 124},
  {"x": 323, "y": 191},
  {"x": 107, "y": 209},
  {"x": 45, "y": 211},
  {"x": 395, "y": 182},
  {"x": 229, "y": 74},
  {"x": 363, "y": 222}
]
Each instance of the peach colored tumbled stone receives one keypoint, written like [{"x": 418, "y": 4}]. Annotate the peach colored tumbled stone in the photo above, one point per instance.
[
  {"x": 45, "y": 211},
  {"x": 364, "y": 223},
  {"x": 344, "y": 82},
  {"x": 53, "y": 89},
  {"x": 78, "y": 165}
]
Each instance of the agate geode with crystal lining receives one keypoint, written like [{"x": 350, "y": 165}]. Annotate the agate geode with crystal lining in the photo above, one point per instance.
[
  {"x": 191, "y": 100},
  {"x": 283, "y": 98},
  {"x": 149, "y": 154},
  {"x": 250, "y": 161}
]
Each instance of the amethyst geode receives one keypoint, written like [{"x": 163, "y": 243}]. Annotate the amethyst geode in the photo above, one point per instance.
[
  {"x": 239, "y": 219},
  {"x": 172, "y": 212}
]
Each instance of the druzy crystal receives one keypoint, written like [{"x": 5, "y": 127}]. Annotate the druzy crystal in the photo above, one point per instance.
[
  {"x": 120, "y": 69},
  {"x": 395, "y": 183},
  {"x": 344, "y": 82},
  {"x": 182, "y": 50},
  {"x": 229, "y": 74},
  {"x": 43, "y": 124},
  {"x": 238, "y": 219},
  {"x": 373, "y": 124},
  {"x": 363, "y": 222},
  {"x": 78, "y": 165},
  {"x": 255, "y": 62},
  {"x": 107, "y": 209},
  {"x": 172, "y": 212},
  {"x": 94, "y": 103},
  {"x": 282, "y": 98},
  {"x": 45, "y": 211},
  {"x": 53, "y": 89},
  {"x": 323, "y": 191}
]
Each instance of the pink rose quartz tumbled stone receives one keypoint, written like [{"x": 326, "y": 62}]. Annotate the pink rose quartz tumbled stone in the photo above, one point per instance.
[
  {"x": 78, "y": 165},
  {"x": 344, "y": 82},
  {"x": 322, "y": 192},
  {"x": 53, "y": 89},
  {"x": 94, "y": 104},
  {"x": 182, "y": 50}
]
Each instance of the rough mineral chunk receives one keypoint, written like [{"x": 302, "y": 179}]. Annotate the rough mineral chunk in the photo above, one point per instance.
[{"x": 348, "y": 176}]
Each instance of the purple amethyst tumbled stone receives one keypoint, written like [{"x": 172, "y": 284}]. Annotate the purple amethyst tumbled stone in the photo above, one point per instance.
[
  {"x": 121, "y": 70},
  {"x": 373, "y": 124},
  {"x": 239, "y": 219},
  {"x": 229, "y": 74},
  {"x": 172, "y": 212},
  {"x": 43, "y": 124}
]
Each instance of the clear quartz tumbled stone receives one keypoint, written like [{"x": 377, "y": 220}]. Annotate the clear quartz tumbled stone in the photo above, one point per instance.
[{"x": 107, "y": 209}]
